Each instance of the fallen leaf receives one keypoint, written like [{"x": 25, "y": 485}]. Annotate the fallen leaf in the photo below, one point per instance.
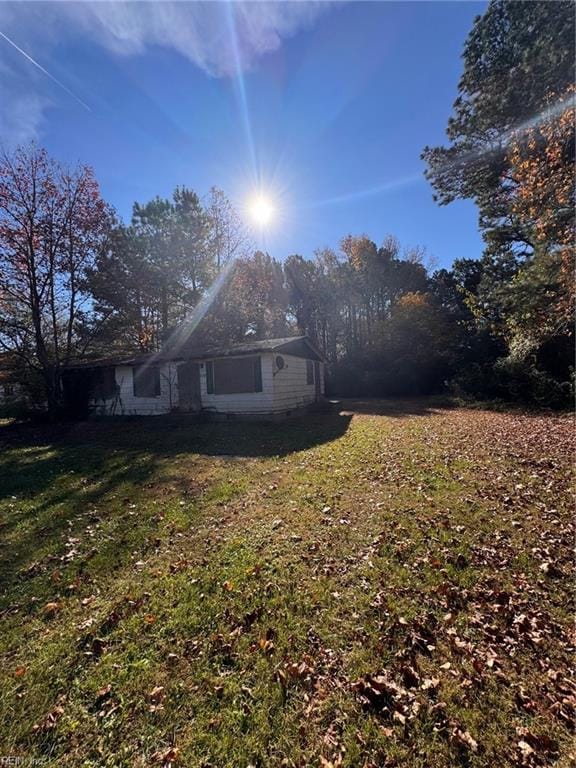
[
  {"x": 463, "y": 738},
  {"x": 51, "y": 609},
  {"x": 168, "y": 757}
]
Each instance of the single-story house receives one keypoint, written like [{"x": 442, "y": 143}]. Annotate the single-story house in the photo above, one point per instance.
[{"x": 257, "y": 378}]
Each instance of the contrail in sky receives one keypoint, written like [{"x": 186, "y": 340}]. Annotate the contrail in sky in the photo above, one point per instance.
[{"x": 45, "y": 71}]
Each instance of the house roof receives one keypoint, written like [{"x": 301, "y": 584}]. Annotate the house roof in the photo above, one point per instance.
[
  {"x": 104, "y": 362},
  {"x": 300, "y": 346}
]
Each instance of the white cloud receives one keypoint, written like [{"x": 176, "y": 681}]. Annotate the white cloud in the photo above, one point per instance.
[
  {"x": 21, "y": 117},
  {"x": 204, "y": 32},
  {"x": 21, "y": 109},
  {"x": 218, "y": 37}
]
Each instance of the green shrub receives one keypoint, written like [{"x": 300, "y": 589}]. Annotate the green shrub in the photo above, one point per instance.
[
  {"x": 522, "y": 381},
  {"x": 513, "y": 380}
]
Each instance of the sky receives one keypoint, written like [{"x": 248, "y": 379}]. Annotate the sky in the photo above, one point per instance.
[{"x": 323, "y": 107}]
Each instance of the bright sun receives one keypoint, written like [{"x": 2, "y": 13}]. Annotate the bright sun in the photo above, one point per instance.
[{"x": 261, "y": 211}]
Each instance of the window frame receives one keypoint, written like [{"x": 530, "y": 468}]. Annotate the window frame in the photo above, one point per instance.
[
  {"x": 103, "y": 385},
  {"x": 212, "y": 375},
  {"x": 149, "y": 369},
  {"x": 309, "y": 372}
]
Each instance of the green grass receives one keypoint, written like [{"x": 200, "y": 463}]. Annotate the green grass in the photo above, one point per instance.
[{"x": 388, "y": 586}]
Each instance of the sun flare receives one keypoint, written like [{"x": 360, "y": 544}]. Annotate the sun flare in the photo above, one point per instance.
[{"x": 261, "y": 211}]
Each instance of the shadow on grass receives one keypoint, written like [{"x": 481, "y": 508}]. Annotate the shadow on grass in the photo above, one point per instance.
[
  {"x": 52, "y": 477},
  {"x": 47, "y": 500},
  {"x": 173, "y": 435}
]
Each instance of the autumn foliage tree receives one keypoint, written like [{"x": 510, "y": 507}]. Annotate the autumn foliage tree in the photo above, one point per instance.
[
  {"x": 516, "y": 55},
  {"x": 542, "y": 197},
  {"x": 541, "y": 160},
  {"x": 511, "y": 151},
  {"x": 52, "y": 222}
]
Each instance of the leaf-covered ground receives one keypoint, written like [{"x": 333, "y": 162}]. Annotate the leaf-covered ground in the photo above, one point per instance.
[{"x": 388, "y": 586}]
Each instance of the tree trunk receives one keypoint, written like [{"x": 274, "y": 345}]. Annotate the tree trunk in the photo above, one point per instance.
[{"x": 52, "y": 384}]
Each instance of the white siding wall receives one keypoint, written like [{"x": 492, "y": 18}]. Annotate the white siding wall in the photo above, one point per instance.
[
  {"x": 282, "y": 390},
  {"x": 290, "y": 388},
  {"x": 245, "y": 402},
  {"x": 128, "y": 405}
]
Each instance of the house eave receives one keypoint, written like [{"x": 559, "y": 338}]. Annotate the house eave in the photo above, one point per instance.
[{"x": 266, "y": 346}]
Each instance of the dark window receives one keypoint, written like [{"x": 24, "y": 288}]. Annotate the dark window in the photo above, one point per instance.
[
  {"x": 8, "y": 390},
  {"x": 210, "y": 377},
  {"x": 103, "y": 386},
  {"x": 309, "y": 372},
  {"x": 237, "y": 375},
  {"x": 146, "y": 381}
]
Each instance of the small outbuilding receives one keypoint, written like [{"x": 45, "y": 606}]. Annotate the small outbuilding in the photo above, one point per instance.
[{"x": 275, "y": 377}]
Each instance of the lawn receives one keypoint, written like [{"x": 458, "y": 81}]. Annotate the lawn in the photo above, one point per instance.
[{"x": 387, "y": 586}]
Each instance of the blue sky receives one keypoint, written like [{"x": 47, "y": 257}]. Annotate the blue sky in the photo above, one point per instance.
[{"x": 325, "y": 106}]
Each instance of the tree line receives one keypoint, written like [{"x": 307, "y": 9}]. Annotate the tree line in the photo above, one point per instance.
[{"x": 76, "y": 281}]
